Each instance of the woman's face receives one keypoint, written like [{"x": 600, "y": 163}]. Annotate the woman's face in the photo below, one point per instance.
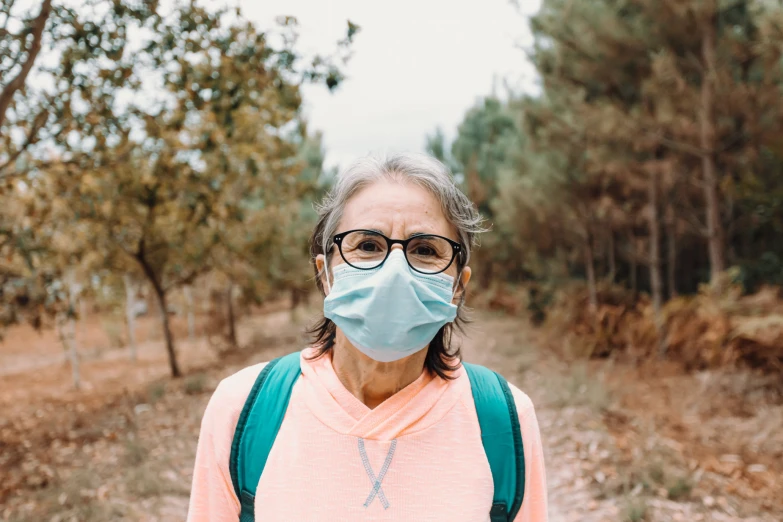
[{"x": 398, "y": 210}]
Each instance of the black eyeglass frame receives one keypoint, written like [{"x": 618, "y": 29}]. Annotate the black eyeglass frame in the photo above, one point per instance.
[{"x": 456, "y": 248}]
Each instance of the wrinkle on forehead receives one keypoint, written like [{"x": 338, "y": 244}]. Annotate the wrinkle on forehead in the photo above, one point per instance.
[{"x": 396, "y": 208}]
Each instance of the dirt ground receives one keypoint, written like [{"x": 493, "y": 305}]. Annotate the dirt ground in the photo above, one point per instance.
[{"x": 622, "y": 443}]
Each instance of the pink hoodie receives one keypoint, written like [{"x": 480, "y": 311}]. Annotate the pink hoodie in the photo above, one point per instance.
[{"x": 423, "y": 443}]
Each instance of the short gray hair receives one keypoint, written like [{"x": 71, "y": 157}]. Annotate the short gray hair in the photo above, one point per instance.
[
  {"x": 435, "y": 177},
  {"x": 417, "y": 168}
]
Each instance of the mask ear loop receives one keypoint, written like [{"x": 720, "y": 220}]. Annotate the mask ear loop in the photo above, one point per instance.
[
  {"x": 458, "y": 282},
  {"x": 326, "y": 274}
]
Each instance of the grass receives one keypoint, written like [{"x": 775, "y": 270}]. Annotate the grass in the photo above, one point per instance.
[
  {"x": 71, "y": 498},
  {"x": 155, "y": 392},
  {"x": 145, "y": 482},
  {"x": 76, "y": 496},
  {"x": 655, "y": 473},
  {"x": 680, "y": 488},
  {"x": 135, "y": 452},
  {"x": 635, "y": 510},
  {"x": 525, "y": 359},
  {"x": 195, "y": 384},
  {"x": 144, "y": 477},
  {"x": 579, "y": 388}
]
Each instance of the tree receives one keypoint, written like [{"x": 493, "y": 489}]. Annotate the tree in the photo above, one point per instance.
[
  {"x": 163, "y": 177},
  {"x": 437, "y": 147},
  {"x": 35, "y": 111},
  {"x": 656, "y": 130},
  {"x": 480, "y": 154},
  {"x": 18, "y": 52},
  {"x": 651, "y": 80}
]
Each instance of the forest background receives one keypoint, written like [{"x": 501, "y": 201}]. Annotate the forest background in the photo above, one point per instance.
[{"x": 157, "y": 168}]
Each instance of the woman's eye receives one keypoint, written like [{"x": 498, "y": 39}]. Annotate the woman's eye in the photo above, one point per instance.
[
  {"x": 424, "y": 250},
  {"x": 368, "y": 246}
]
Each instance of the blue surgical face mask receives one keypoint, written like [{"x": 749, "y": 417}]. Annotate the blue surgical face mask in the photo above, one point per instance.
[{"x": 391, "y": 311}]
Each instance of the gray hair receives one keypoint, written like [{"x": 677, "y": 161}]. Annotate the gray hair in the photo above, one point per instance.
[
  {"x": 435, "y": 177},
  {"x": 417, "y": 168}
]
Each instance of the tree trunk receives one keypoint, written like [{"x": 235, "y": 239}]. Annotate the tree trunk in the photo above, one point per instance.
[
  {"x": 486, "y": 273},
  {"x": 634, "y": 264},
  {"x": 232, "y": 329},
  {"x": 671, "y": 251},
  {"x": 74, "y": 353},
  {"x": 656, "y": 281},
  {"x": 130, "y": 315},
  {"x": 612, "y": 258},
  {"x": 164, "y": 318},
  {"x": 590, "y": 271},
  {"x": 715, "y": 232},
  {"x": 66, "y": 330},
  {"x": 634, "y": 276},
  {"x": 59, "y": 322},
  {"x": 296, "y": 295},
  {"x": 82, "y": 321},
  {"x": 188, "y": 291},
  {"x": 73, "y": 302},
  {"x": 160, "y": 293}
]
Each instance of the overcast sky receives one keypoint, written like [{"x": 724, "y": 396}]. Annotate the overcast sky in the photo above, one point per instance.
[{"x": 417, "y": 64}]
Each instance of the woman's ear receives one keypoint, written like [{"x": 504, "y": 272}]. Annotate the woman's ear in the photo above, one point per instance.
[
  {"x": 320, "y": 263},
  {"x": 462, "y": 284}
]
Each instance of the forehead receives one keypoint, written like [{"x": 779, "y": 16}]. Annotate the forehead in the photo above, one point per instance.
[{"x": 396, "y": 208}]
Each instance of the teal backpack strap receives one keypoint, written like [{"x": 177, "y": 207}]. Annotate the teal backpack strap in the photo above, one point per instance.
[
  {"x": 502, "y": 440},
  {"x": 257, "y": 428}
]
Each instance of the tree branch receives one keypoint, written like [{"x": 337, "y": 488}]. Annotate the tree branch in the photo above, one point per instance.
[
  {"x": 14, "y": 85},
  {"x": 38, "y": 124},
  {"x": 678, "y": 146},
  {"x": 667, "y": 142},
  {"x": 186, "y": 280}
]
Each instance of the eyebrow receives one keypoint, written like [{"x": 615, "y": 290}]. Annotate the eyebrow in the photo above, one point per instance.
[{"x": 412, "y": 234}]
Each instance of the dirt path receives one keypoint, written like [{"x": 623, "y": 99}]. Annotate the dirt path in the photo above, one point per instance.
[
  {"x": 65, "y": 468},
  {"x": 590, "y": 477},
  {"x": 568, "y": 430}
]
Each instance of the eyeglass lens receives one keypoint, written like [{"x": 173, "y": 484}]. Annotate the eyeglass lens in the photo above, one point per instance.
[{"x": 366, "y": 249}]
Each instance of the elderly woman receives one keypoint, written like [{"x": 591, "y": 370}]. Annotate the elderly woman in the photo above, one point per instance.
[{"x": 379, "y": 419}]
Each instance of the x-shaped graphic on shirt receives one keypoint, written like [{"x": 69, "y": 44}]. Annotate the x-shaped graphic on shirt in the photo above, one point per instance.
[{"x": 376, "y": 481}]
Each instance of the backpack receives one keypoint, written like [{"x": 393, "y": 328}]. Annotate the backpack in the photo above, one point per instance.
[{"x": 267, "y": 403}]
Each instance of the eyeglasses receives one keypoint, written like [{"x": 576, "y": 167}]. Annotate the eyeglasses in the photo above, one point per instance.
[{"x": 425, "y": 253}]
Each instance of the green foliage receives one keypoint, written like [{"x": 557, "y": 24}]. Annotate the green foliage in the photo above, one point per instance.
[
  {"x": 649, "y": 132},
  {"x": 485, "y": 141},
  {"x": 437, "y": 147},
  {"x": 483, "y": 157},
  {"x": 48, "y": 54},
  {"x": 162, "y": 142}
]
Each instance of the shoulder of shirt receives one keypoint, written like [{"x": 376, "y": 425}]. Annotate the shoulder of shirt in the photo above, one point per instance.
[
  {"x": 230, "y": 395},
  {"x": 234, "y": 389},
  {"x": 523, "y": 403}
]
